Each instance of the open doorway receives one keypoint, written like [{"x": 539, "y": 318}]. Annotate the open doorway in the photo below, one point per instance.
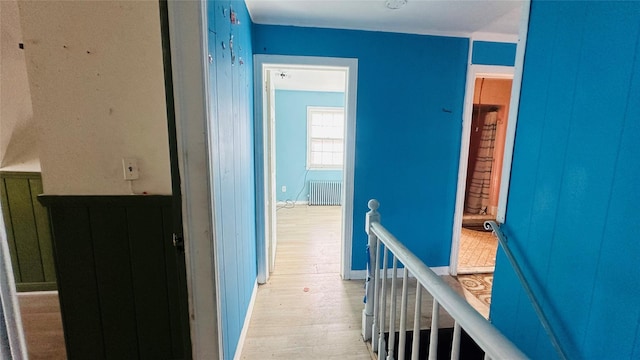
[
  {"x": 307, "y": 113},
  {"x": 482, "y": 160},
  {"x": 305, "y": 126}
]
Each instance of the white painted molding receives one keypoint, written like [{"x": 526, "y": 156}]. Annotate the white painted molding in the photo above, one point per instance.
[
  {"x": 283, "y": 203},
  {"x": 362, "y": 274},
  {"x": 36, "y": 293},
  {"x": 188, "y": 44},
  {"x": 494, "y": 37},
  {"x": 514, "y": 108},
  {"x": 350, "y": 66},
  {"x": 247, "y": 322}
]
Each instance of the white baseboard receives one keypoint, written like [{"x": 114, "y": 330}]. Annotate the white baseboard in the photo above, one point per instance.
[
  {"x": 283, "y": 203},
  {"x": 35, "y": 293},
  {"x": 247, "y": 321},
  {"x": 362, "y": 274}
]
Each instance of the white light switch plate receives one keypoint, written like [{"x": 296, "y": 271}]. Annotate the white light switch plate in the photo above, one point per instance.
[{"x": 130, "y": 168}]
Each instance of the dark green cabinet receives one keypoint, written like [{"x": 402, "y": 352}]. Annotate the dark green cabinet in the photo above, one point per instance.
[
  {"x": 28, "y": 231},
  {"x": 121, "y": 281}
]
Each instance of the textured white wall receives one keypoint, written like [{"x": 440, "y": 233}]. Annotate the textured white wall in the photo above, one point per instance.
[
  {"x": 97, "y": 85},
  {"x": 18, "y": 135}
]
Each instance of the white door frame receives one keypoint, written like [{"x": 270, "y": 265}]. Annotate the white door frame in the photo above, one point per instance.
[
  {"x": 475, "y": 71},
  {"x": 489, "y": 71},
  {"x": 264, "y": 186},
  {"x": 188, "y": 29}
]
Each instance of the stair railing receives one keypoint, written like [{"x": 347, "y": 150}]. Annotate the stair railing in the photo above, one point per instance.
[
  {"x": 487, "y": 337},
  {"x": 502, "y": 239}
]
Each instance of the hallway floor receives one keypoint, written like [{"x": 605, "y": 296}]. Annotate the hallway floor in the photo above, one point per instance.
[
  {"x": 477, "y": 252},
  {"x": 306, "y": 311}
]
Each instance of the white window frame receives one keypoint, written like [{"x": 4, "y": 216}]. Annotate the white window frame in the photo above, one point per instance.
[{"x": 315, "y": 109}]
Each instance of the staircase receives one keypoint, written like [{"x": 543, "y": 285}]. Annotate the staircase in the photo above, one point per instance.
[{"x": 471, "y": 336}]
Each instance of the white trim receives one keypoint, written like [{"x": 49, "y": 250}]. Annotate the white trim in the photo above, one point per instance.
[
  {"x": 362, "y": 274},
  {"x": 188, "y": 44},
  {"x": 12, "y": 341},
  {"x": 494, "y": 37},
  {"x": 514, "y": 108},
  {"x": 441, "y": 270},
  {"x": 376, "y": 28},
  {"x": 473, "y": 72},
  {"x": 36, "y": 293},
  {"x": 283, "y": 203},
  {"x": 247, "y": 322},
  {"x": 350, "y": 66}
]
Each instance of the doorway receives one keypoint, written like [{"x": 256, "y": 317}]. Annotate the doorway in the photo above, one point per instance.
[
  {"x": 482, "y": 159},
  {"x": 482, "y": 180},
  {"x": 321, "y": 154}
]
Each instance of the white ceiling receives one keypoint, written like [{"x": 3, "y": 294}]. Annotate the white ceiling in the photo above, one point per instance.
[
  {"x": 309, "y": 80},
  {"x": 435, "y": 17}
]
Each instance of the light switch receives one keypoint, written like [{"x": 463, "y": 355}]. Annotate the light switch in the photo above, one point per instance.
[{"x": 130, "y": 168}]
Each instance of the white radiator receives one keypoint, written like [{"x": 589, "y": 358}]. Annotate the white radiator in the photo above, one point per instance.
[{"x": 325, "y": 192}]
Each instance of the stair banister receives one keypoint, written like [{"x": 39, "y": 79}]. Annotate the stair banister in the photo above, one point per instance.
[
  {"x": 489, "y": 339},
  {"x": 502, "y": 239}
]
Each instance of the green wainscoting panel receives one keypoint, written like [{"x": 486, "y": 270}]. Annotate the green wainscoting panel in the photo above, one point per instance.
[
  {"x": 118, "y": 277},
  {"x": 28, "y": 231}
]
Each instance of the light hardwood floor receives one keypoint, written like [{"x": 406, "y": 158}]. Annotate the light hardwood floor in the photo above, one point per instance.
[
  {"x": 42, "y": 325},
  {"x": 306, "y": 311}
]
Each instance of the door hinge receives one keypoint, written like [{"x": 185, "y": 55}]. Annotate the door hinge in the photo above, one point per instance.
[{"x": 178, "y": 242}]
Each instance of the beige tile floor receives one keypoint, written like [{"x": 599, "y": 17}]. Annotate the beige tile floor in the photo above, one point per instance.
[{"x": 477, "y": 252}]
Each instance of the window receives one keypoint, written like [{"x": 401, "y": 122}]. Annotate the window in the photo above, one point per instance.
[{"x": 325, "y": 137}]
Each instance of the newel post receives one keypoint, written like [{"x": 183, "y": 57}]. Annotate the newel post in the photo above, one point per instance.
[{"x": 369, "y": 298}]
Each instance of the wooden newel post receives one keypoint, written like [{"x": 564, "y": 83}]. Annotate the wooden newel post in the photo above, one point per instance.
[{"x": 369, "y": 299}]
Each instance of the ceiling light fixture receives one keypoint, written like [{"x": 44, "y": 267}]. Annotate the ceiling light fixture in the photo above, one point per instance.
[{"x": 395, "y": 4}]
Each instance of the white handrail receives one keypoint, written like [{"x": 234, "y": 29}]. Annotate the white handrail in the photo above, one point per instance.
[
  {"x": 489, "y": 339},
  {"x": 502, "y": 239}
]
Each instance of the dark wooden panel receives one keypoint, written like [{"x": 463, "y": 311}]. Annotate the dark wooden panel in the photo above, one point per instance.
[
  {"x": 113, "y": 276},
  {"x": 8, "y": 224},
  {"x": 149, "y": 281},
  {"x": 122, "y": 287},
  {"x": 44, "y": 232},
  {"x": 24, "y": 230},
  {"x": 176, "y": 307},
  {"x": 28, "y": 231},
  {"x": 78, "y": 288}
]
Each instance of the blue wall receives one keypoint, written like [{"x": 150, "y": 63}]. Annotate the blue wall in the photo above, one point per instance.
[
  {"x": 574, "y": 196},
  {"x": 493, "y": 53},
  {"x": 291, "y": 142},
  {"x": 409, "y": 116},
  {"x": 232, "y": 157}
]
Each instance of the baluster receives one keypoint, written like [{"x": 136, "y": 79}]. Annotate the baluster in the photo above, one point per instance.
[
  {"x": 370, "y": 299},
  {"x": 392, "y": 309},
  {"x": 455, "y": 343},
  {"x": 376, "y": 276},
  {"x": 382, "y": 346},
  {"x": 415, "y": 346},
  {"x": 433, "y": 340},
  {"x": 403, "y": 314}
]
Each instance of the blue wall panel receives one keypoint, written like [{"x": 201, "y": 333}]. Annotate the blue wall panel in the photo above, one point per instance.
[
  {"x": 572, "y": 195},
  {"x": 232, "y": 157},
  {"x": 409, "y": 115},
  {"x": 291, "y": 142},
  {"x": 493, "y": 53}
]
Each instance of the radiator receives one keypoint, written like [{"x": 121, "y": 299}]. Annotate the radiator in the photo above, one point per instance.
[{"x": 325, "y": 192}]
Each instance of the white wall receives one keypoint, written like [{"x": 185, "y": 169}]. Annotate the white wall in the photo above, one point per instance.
[
  {"x": 18, "y": 137},
  {"x": 97, "y": 85}
]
